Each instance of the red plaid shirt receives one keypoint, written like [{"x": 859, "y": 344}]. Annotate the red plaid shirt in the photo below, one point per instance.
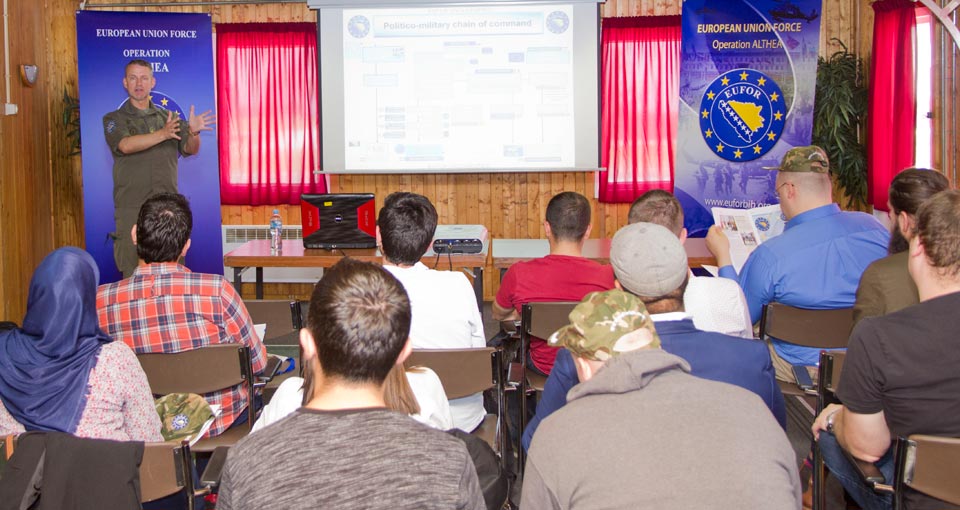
[{"x": 164, "y": 307}]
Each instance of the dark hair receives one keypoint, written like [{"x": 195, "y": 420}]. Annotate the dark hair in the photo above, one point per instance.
[
  {"x": 659, "y": 207},
  {"x": 137, "y": 62},
  {"x": 938, "y": 226},
  {"x": 913, "y": 186},
  {"x": 670, "y": 302},
  {"x": 163, "y": 227},
  {"x": 569, "y": 216},
  {"x": 407, "y": 223},
  {"x": 360, "y": 320}
]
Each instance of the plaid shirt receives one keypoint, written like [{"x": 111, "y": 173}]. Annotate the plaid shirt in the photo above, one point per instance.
[{"x": 164, "y": 307}]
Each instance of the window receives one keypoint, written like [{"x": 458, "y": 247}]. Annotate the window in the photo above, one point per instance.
[
  {"x": 267, "y": 113},
  {"x": 924, "y": 74},
  {"x": 640, "y": 83}
]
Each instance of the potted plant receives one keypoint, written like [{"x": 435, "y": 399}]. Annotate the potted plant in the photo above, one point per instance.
[
  {"x": 71, "y": 122},
  {"x": 839, "y": 111}
]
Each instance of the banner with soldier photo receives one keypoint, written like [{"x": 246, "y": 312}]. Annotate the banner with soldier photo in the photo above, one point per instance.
[
  {"x": 748, "y": 71},
  {"x": 179, "y": 50}
]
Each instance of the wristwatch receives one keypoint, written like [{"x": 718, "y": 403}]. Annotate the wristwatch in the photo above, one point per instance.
[{"x": 830, "y": 418}]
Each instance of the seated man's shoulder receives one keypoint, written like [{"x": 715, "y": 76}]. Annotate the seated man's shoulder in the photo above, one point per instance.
[
  {"x": 452, "y": 278},
  {"x": 863, "y": 219},
  {"x": 204, "y": 283},
  {"x": 571, "y": 268},
  {"x": 743, "y": 347},
  {"x": 399, "y": 435},
  {"x": 712, "y": 287}
]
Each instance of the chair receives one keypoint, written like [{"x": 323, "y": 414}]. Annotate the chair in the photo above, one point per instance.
[
  {"x": 282, "y": 318},
  {"x": 823, "y": 329},
  {"x": 831, "y": 365},
  {"x": 165, "y": 470},
  {"x": 540, "y": 320},
  {"x": 928, "y": 464},
  {"x": 204, "y": 370},
  {"x": 464, "y": 372},
  {"x": 7, "y": 444}
]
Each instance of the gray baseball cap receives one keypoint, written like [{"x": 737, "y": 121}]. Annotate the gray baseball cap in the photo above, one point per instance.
[{"x": 648, "y": 260}]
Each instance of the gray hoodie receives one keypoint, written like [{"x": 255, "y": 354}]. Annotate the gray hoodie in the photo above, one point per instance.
[{"x": 644, "y": 433}]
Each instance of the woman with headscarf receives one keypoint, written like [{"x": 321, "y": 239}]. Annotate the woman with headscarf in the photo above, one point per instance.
[{"x": 61, "y": 372}]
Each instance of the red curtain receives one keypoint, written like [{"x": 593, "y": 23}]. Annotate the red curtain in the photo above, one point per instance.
[
  {"x": 892, "y": 109},
  {"x": 267, "y": 112},
  {"x": 640, "y": 83}
]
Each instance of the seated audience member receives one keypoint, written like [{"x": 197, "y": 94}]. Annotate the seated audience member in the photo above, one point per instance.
[
  {"x": 714, "y": 304},
  {"x": 641, "y": 431},
  {"x": 164, "y": 307},
  {"x": 900, "y": 376},
  {"x": 60, "y": 372},
  {"x": 815, "y": 263},
  {"x": 444, "y": 306},
  {"x": 650, "y": 263},
  {"x": 344, "y": 448},
  {"x": 886, "y": 285},
  {"x": 563, "y": 275},
  {"x": 416, "y": 391}
]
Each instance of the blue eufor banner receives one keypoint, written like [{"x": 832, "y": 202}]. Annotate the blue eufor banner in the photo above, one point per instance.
[
  {"x": 179, "y": 48},
  {"x": 748, "y": 72}
]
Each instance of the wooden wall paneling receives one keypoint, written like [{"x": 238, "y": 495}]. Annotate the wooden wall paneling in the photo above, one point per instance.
[
  {"x": 26, "y": 203},
  {"x": 446, "y": 198},
  {"x": 471, "y": 200},
  {"x": 58, "y": 72}
]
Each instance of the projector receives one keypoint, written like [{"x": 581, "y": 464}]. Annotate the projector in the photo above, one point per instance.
[{"x": 459, "y": 238}]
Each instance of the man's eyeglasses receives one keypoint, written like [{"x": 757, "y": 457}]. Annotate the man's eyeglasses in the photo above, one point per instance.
[{"x": 777, "y": 191}]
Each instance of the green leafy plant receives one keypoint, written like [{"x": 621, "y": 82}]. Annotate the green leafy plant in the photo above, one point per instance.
[
  {"x": 839, "y": 113},
  {"x": 71, "y": 121}
]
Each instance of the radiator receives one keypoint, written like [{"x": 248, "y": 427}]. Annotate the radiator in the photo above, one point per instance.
[{"x": 235, "y": 235}]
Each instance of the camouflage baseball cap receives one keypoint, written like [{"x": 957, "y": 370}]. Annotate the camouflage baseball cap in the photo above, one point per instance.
[
  {"x": 605, "y": 324},
  {"x": 182, "y": 414},
  {"x": 804, "y": 159}
]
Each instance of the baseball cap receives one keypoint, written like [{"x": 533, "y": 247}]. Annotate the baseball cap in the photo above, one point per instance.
[
  {"x": 809, "y": 158},
  {"x": 648, "y": 260},
  {"x": 606, "y": 324},
  {"x": 182, "y": 414}
]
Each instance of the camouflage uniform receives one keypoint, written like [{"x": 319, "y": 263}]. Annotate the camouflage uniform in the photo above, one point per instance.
[
  {"x": 139, "y": 175},
  {"x": 182, "y": 414}
]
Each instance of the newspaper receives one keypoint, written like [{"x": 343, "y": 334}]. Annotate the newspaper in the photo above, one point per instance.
[{"x": 748, "y": 228}]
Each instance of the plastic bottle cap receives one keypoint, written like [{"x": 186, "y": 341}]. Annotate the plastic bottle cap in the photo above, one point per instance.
[{"x": 276, "y": 211}]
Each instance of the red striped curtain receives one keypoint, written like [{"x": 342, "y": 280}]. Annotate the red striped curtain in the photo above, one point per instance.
[
  {"x": 267, "y": 118},
  {"x": 892, "y": 108},
  {"x": 640, "y": 83}
]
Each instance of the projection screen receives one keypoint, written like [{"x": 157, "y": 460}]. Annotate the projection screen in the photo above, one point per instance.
[{"x": 479, "y": 87}]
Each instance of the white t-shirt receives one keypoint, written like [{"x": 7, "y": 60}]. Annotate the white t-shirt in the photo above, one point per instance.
[
  {"x": 718, "y": 305},
  {"x": 426, "y": 386},
  {"x": 445, "y": 316}
]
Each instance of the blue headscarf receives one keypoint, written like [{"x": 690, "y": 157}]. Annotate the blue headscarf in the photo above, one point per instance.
[{"x": 45, "y": 365}]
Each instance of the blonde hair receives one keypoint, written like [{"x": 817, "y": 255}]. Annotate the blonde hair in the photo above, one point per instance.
[{"x": 397, "y": 394}]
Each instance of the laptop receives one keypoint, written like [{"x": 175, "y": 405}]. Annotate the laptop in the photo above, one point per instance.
[{"x": 338, "y": 220}]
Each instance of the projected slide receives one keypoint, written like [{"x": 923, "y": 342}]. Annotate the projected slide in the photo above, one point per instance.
[{"x": 438, "y": 88}]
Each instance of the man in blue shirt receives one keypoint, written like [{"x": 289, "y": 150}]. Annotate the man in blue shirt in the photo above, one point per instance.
[
  {"x": 649, "y": 262},
  {"x": 817, "y": 261}
]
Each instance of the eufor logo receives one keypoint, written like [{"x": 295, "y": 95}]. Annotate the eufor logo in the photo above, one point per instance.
[
  {"x": 742, "y": 115},
  {"x": 762, "y": 224}
]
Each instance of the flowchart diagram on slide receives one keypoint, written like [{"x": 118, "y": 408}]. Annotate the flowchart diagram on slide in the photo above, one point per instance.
[{"x": 441, "y": 87}]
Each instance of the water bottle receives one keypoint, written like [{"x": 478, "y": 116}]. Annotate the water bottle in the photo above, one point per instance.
[{"x": 276, "y": 231}]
